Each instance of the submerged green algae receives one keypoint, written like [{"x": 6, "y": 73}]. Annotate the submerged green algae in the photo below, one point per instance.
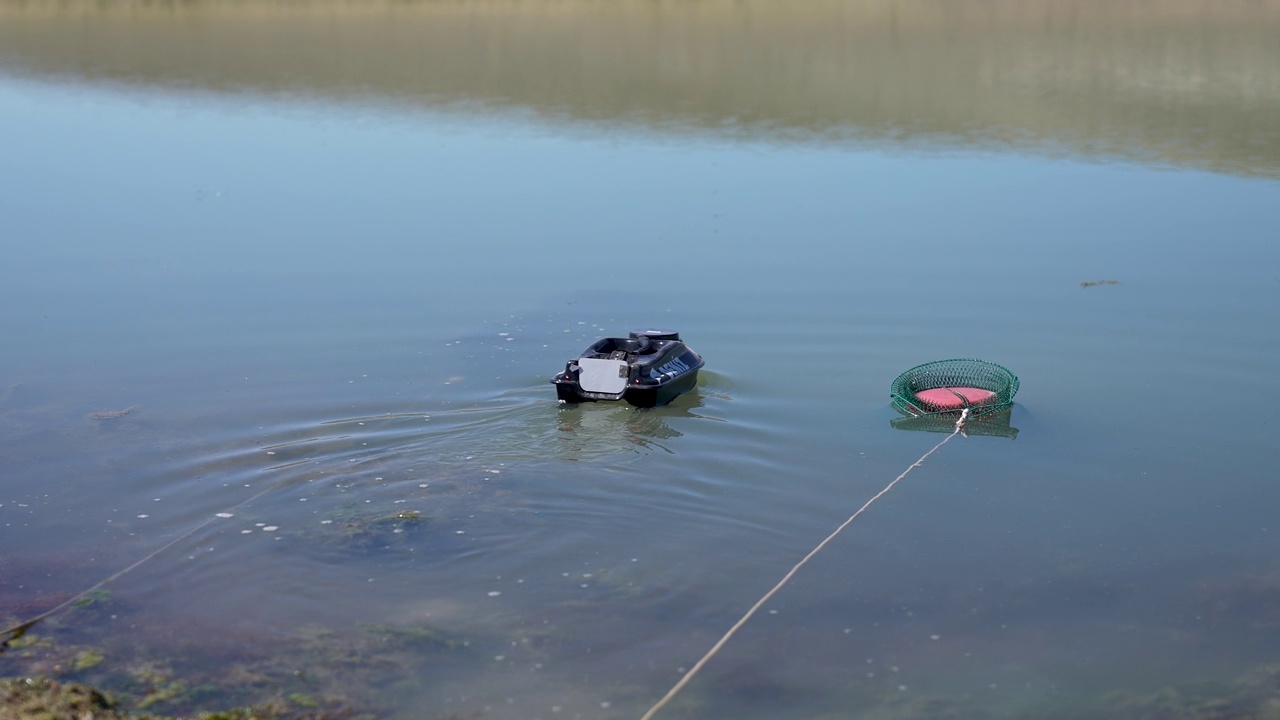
[
  {"x": 312, "y": 674},
  {"x": 41, "y": 699},
  {"x": 47, "y": 699},
  {"x": 1253, "y": 696}
]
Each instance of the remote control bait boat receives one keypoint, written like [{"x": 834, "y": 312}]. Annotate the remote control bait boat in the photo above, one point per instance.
[{"x": 647, "y": 368}]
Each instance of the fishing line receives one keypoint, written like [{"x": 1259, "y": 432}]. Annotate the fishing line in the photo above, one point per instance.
[
  {"x": 964, "y": 415},
  {"x": 14, "y": 632}
]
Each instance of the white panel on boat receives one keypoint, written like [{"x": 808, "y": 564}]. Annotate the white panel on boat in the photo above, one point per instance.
[{"x": 602, "y": 376}]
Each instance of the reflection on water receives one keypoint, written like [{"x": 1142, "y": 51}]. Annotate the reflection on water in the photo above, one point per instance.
[
  {"x": 1185, "y": 82},
  {"x": 995, "y": 424},
  {"x": 591, "y": 429},
  {"x": 607, "y": 428}
]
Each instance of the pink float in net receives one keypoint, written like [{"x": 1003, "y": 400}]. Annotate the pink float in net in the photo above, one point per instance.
[{"x": 954, "y": 398}]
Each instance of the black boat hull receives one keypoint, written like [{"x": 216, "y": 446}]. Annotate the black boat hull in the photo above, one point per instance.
[
  {"x": 650, "y": 368},
  {"x": 646, "y": 397}
]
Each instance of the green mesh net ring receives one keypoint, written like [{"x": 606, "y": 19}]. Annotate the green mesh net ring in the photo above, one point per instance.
[
  {"x": 949, "y": 386},
  {"x": 993, "y": 424}
]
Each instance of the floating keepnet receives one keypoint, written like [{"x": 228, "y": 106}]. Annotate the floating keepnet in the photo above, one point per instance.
[{"x": 949, "y": 386}]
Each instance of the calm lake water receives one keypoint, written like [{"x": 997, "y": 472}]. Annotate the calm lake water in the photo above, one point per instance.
[{"x": 327, "y": 256}]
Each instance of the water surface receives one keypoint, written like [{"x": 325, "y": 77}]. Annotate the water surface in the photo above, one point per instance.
[{"x": 327, "y": 256}]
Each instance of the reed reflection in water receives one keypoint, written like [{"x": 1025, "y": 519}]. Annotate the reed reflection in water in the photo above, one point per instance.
[{"x": 1186, "y": 82}]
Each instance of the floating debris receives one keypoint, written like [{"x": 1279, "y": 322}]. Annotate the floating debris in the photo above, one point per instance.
[
  {"x": 112, "y": 414},
  {"x": 1095, "y": 283}
]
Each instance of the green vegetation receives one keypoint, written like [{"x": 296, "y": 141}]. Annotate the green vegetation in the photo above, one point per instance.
[
  {"x": 1256, "y": 696},
  {"x": 43, "y": 699},
  {"x": 86, "y": 659},
  {"x": 93, "y": 597},
  {"x": 317, "y": 674},
  {"x": 46, "y": 699},
  {"x": 356, "y": 528}
]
